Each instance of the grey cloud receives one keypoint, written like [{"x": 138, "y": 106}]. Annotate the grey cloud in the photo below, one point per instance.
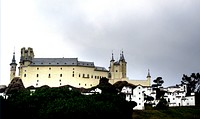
[{"x": 167, "y": 41}]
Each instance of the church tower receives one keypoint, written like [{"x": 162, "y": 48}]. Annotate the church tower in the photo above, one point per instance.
[
  {"x": 149, "y": 77},
  {"x": 13, "y": 66}
]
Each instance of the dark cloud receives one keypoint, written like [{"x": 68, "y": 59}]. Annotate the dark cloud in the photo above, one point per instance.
[{"x": 162, "y": 36}]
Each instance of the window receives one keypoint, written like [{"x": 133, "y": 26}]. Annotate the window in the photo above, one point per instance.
[
  {"x": 36, "y": 84},
  {"x": 60, "y": 84},
  {"x": 88, "y": 75},
  {"x": 37, "y": 80},
  {"x": 79, "y": 84},
  {"x": 72, "y": 75},
  {"x": 90, "y": 84},
  {"x": 37, "y": 75},
  {"x": 24, "y": 75},
  {"x": 92, "y": 76},
  {"x": 49, "y": 75},
  {"x": 60, "y": 80},
  {"x": 60, "y": 75},
  {"x": 116, "y": 71},
  {"x": 85, "y": 84},
  {"x": 95, "y": 77},
  {"x": 60, "y": 68},
  {"x": 73, "y": 68},
  {"x": 37, "y": 68},
  {"x": 83, "y": 75},
  {"x": 25, "y": 70},
  {"x": 79, "y": 75},
  {"x": 139, "y": 98},
  {"x": 49, "y": 68}
]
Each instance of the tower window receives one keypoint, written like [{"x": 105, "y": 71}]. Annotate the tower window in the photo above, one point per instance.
[
  {"x": 60, "y": 68},
  {"x": 72, "y": 75},
  {"x": 60, "y": 75},
  {"x": 37, "y": 75},
  {"x": 49, "y": 68},
  {"x": 116, "y": 70},
  {"x": 37, "y": 68},
  {"x": 79, "y": 75},
  {"x": 37, "y": 80},
  {"x": 24, "y": 75},
  {"x": 91, "y": 76},
  {"x": 49, "y": 75}
]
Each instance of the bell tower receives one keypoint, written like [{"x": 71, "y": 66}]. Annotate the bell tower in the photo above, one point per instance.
[{"x": 13, "y": 66}]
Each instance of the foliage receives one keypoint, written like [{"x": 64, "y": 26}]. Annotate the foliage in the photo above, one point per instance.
[
  {"x": 192, "y": 82},
  {"x": 158, "y": 82},
  {"x": 51, "y": 103},
  {"x": 162, "y": 104},
  {"x": 170, "y": 113}
]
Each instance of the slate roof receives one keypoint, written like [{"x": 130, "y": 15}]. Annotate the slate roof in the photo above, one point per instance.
[{"x": 64, "y": 62}]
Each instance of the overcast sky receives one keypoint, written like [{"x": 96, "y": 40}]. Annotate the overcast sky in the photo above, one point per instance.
[{"x": 160, "y": 35}]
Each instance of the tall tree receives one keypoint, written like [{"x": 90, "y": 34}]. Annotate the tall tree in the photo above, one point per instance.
[
  {"x": 158, "y": 82},
  {"x": 192, "y": 82}
]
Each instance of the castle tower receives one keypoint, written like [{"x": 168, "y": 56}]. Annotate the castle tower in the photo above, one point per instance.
[
  {"x": 26, "y": 58},
  {"x": 117, "y": 69},
  {"x": 111, "y": 68},
  {"x": 13, "y": 66},
  {"x": 123, "y": 63}
]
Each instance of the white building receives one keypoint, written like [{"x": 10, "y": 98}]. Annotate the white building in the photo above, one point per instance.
[
  {"x": 135, "y": 94},
  {"x": 176, "y": 96}
]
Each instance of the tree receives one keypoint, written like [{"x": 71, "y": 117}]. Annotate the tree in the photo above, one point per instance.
[
  {"x": 158, "y": 82},
  {"x": 192, "y": 82},
  {"x": 162, "y": 104}
]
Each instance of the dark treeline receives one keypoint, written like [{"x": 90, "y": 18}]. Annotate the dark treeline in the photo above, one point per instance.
[{"x": 60, "y": 103}]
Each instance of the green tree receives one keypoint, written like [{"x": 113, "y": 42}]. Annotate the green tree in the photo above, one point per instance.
[{"x": 192, "y": 82}]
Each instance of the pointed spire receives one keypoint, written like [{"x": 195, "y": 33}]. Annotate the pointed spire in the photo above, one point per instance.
[
  {"x": 148, "y": 75},
  {"x": 112, "y": 59},
  {"x": 13, "y": 59},
  {"x": 122, "y": 56}
]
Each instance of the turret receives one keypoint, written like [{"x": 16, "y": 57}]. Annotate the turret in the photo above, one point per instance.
[
  {"x": 149, "y": 77},
  {"x": 26, "y": 56},
  {"x": 123, "y": 63},
  {"x": 13, "y": 66}
]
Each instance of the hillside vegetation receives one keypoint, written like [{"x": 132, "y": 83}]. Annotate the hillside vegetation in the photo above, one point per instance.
[{"x": 170, "y": 113}]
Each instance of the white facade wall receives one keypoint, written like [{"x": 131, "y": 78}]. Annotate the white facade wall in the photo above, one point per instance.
[{"x": 136, "y": 95}]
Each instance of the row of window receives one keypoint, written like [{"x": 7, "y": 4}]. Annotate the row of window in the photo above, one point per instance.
[
  {"x": 84, "y": 76},
  {"x": 49, "y": 68},
  {"x": 61, "y": 84}
]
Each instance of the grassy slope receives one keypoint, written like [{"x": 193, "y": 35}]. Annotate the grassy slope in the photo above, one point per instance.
[{"x": 171, "y": 113}]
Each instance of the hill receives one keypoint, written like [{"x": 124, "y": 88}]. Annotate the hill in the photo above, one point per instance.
[{"x": 170, "y": 113}]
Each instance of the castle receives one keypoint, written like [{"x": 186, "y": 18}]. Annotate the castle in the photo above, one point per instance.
[{"x": 56, "y": 72}]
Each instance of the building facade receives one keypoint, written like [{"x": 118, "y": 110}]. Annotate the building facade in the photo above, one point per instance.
[{"x": 56, "y": 72}]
